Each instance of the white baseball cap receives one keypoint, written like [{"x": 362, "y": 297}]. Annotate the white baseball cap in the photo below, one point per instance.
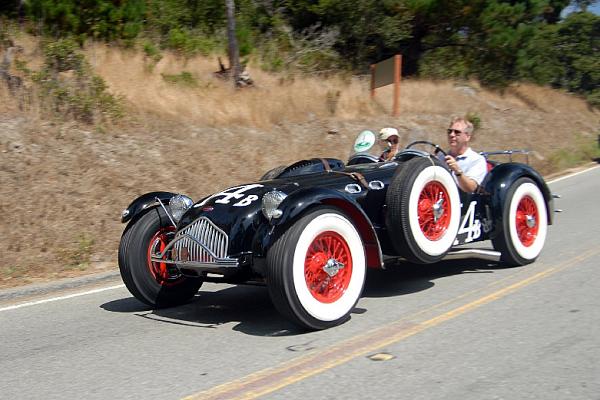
[{"x": 385, "y": 133}]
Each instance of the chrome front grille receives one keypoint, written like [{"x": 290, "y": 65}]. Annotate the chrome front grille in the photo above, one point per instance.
[{"x": 201, "y": 242}]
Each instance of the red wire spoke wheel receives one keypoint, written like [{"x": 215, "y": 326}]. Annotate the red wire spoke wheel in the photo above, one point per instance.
[
  {"x": 316, "y": 269},
  {"x": 527, "y": 221},
  {"x": 328, "y": 267},
  {"x": 158, "y": 243},
  {"x": 524, "y": 226},
  {"x": 157, "y": 284},
  {"x": 434, "y": 222},
  {"x": 423, "y": 210}
]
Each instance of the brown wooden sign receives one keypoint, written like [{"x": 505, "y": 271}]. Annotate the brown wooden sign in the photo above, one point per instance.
[{"x": 385, "y": 73}]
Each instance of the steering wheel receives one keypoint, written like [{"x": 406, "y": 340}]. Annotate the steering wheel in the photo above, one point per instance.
[{"x": 437, "y": 150}]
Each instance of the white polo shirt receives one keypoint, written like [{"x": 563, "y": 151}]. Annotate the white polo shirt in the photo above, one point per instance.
[{"x": 472, "y": 164}]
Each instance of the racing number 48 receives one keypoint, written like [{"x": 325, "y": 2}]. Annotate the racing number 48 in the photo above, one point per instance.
[{"x": 470, "y": 225}]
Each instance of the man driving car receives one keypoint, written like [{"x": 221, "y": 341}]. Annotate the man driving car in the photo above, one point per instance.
[{"x": 468, "y": 167}]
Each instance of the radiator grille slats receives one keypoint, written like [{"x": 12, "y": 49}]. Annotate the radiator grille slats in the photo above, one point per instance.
[{"x": 206, "y": 233}]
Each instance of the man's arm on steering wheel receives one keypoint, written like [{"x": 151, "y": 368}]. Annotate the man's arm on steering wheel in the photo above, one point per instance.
[{"x": 468, "y": 181}]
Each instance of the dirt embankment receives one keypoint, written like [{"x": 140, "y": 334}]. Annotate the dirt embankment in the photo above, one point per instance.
[{"x": 63, "y": 185}]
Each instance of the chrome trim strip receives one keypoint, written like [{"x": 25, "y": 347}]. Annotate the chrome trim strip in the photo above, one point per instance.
[
  {"x": 490, "y": 255},
  {"x": 166, "y": 211},
  {"x": 229, "y": 263},
  {"x": 509, "y": 153}
]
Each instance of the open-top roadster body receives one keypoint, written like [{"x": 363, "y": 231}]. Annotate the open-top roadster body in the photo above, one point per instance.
[{"x": 309, "y": 230}]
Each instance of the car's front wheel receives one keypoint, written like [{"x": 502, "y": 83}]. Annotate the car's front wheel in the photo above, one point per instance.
[
  {"x": 154, "y": 283},
  {"x": 316, "y": 269}
]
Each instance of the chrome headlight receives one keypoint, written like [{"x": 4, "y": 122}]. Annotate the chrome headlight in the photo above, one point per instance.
[
  {"x": 178, "y": 205},
  {"x": 270, "y": 202}
]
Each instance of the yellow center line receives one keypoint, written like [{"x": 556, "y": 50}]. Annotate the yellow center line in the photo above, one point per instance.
[{"x": 274, "y": 378}]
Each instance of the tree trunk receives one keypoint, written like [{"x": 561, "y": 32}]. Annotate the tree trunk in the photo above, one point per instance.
[
  {"x": 21, "y": 12},
  {"x": 234, "y": 53}
]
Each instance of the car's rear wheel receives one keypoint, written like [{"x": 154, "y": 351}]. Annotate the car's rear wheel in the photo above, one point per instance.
[
  {"x": 524, "y": 224},
  {"x": 423, "y": 210},
  {"x": 154, "y": 283},
  {"x": 316, "y": 269}
]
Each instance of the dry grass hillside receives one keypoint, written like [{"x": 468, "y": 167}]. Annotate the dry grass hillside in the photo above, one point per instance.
[{"x": 64, "y": 184}]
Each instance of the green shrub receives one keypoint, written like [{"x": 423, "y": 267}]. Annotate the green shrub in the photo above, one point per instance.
[
  {"x": 189, "y": 43},
  {"x": 184, "y": 78},
  {"x": 4, "y": 35},
  {"x": 13, "y": 271},
  {"x": 474, "y": 118},
  {"x": 245, "y": 39},
  {"x": 586, "y": 150},
  {"x": 444, "y": 63},
  {"x": 68, "y": 86},
  {"x": 593, "y": 98},
  {"x": 100, "y": 19},
  {"x": 79, "y": 255},
  {"x": 273, "y": 64},
  {"x": 311, "y": 51},
  {"x": 63, "y": 55},
  {"x": 152, "y": 53}
]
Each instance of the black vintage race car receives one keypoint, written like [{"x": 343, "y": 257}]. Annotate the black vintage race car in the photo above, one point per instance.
[{"x": 310, "y": 230}]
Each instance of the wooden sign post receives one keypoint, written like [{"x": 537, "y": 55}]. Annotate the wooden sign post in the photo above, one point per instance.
[{"x": 385, "y": 73}]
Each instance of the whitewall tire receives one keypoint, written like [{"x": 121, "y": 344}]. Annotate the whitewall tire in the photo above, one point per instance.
[
  {"x": 423, "y": 210},
  {"x": 316, "y": 269},
  {"x": 524, "y": 224}
]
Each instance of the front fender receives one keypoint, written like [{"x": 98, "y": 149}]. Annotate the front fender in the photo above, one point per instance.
[
  {"x": 500, "y": 179},
  {"x": 143, "y": 203},
  {"x": 298, "y": 203}
]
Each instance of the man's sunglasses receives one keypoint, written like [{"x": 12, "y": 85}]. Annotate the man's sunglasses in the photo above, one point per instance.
[
  {"x": 393, "y": 141},
  {"x": 455, "y": 131}
]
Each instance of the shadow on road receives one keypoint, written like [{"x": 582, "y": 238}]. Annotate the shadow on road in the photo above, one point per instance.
[
  {"x": 249, "y": 307},
  {"x": 405, "y": 278},
  {"x": 251, "y": 311}
]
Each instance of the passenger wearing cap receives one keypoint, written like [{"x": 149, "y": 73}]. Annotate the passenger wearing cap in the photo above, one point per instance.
[{"x": 390, "y": 137}]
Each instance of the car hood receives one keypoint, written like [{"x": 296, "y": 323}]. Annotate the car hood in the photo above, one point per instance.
[
  {"x": 235, "y": 205},
  {"x": 239, "y": 207}
]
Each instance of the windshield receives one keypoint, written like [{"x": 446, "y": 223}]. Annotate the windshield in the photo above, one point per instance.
[{"x": 367, "y": 144}]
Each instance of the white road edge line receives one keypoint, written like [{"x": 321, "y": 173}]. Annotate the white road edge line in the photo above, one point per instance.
[
  {"x": 69, "y": 296},
  {"x": 573, "y": 174},
  {"x": 34, "y": 303}
]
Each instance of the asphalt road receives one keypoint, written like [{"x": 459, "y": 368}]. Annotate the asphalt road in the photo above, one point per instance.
[{"x": 458, "y": 330}]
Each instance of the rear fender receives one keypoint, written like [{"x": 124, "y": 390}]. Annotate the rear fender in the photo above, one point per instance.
[
  {"x": 299, "y": 203},
  {"x": 499, "y": 180},
  {"x": 143, "y": 203}
]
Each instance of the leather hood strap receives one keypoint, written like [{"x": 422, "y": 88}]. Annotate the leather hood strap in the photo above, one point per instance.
[{"x": 354, "y": 175}]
